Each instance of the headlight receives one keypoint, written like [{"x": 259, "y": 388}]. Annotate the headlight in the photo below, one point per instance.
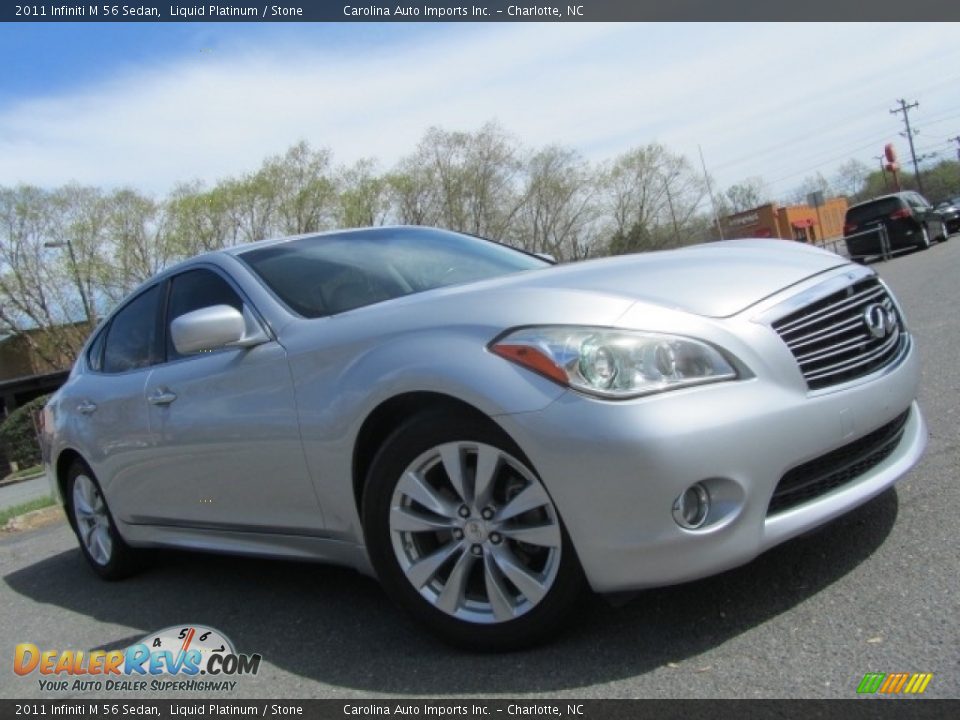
[{"x": 614, "y": 363}]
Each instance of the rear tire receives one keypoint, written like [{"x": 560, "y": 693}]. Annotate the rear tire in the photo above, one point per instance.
[
  {"x": 924, "y": 243},
  {"x": 100, "y": 542},
  {"x": 464, "y": 536}
]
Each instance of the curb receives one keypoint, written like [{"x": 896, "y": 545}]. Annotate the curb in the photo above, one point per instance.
[{"x": 4, "y": 483}]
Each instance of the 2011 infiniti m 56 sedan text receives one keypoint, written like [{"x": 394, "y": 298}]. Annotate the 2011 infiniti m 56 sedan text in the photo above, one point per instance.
[{"x": 486, "y": 432}]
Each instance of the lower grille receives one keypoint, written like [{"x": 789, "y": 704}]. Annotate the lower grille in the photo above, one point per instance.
[{"x": 836, "y": 468}]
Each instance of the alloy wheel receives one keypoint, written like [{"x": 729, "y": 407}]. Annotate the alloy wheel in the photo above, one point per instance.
[
  {"x": 475, "y": 532},
  {"x": 93, "y": 521}
]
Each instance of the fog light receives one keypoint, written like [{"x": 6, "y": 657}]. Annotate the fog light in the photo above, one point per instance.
[{"x": 690, "y": 510}]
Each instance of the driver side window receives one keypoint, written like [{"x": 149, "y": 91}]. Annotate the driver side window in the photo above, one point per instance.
[{"x": 193, "y": 290}]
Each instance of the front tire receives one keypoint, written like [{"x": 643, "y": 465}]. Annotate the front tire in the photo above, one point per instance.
[
  {"x": 100, "y": 542},
  {"x": 464, "y": 536},
  {"x": 924, "y": 239}
]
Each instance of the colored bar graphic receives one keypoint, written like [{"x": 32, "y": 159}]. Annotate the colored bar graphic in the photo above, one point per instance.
[
  {"x": 894, "y": 683},
  {"x": 871, "y": 683}
]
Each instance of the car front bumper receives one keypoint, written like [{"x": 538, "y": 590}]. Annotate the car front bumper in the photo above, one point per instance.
[{"x": 614, "y": 469}]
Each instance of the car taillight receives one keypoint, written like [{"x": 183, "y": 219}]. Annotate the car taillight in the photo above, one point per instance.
[
  {"x": 900, "y": 214},
  {"x": 849, "y": 228}
]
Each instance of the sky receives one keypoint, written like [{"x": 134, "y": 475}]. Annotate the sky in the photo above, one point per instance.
[{"x": 148, "y": 105}]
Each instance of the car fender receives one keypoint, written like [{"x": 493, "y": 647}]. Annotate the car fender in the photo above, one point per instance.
[{"x": 335, "y": 399}]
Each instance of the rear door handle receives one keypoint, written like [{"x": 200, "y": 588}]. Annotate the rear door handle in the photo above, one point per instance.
[
  {"x": 162, "y": 397},
  {"x": 86, "y": 407}
]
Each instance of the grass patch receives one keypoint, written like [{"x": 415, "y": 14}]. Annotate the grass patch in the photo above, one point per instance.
[
  {"x": 15, "y": 510},
  {"x": 26, "y": 472}
]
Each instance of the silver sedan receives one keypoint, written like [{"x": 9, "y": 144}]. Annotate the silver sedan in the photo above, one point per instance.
[{"x": 487, "y": 433}]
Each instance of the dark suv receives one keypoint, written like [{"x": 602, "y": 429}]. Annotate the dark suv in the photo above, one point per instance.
[
  {"x": 950, "y": 212},
  {"x": 909, "y": 219}
]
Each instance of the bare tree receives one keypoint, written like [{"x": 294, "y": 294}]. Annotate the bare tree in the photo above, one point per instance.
[
  {"x": 851, "y": 177},
  {"x": 197, "y": 220},
  {"x": 43, "y": 281},
  {"x": 364, "y": 197},
  {"x": 810, "y": 184},
  {"x": 747, "y": 195},
  {"x": 299, "y": 187},
  {"x": 558, "y": 209},
  {"x": 462, "y": 181},
  {"x": 651, "y": 195},
  {"x": 139, "y": 244}
]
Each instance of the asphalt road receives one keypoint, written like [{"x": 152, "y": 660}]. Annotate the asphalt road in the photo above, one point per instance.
[{"x": 876, "y": 591}]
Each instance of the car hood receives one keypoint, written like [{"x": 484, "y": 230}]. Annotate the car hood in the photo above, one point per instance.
[{"x": 714, "y": 280}]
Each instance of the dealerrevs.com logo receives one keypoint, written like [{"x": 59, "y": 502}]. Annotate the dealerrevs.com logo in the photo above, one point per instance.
[{"x": 192, "y": 658}]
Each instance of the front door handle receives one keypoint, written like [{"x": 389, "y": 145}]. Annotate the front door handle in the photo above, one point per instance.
[
  {"x": 86, "y": 407},
  {"x": 162, "y": 397}
]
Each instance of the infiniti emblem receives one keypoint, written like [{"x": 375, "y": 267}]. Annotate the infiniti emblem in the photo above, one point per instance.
[{"x": 879, "y": 320}]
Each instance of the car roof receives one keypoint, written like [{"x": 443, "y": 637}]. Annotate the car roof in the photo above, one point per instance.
[
  {"x": 236, "y": 250},
  {"x": 888, "y": 196},
  {"x": 371, "y": 231}
]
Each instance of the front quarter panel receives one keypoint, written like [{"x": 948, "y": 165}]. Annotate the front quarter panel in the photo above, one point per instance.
[{"x": 338, "y": 389}]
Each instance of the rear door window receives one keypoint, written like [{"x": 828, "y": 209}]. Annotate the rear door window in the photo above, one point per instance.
[{"x": 133, "y": 341}]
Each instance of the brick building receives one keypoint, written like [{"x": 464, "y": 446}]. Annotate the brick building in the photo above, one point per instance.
[
  {"x": 24, "y": 375},
  {"x": 790, "y": 222}
]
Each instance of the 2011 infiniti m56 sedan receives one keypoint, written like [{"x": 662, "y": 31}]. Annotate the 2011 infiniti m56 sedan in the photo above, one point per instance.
[{"x": 488, "y": 433}]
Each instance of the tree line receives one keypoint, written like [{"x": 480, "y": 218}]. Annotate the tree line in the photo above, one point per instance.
[
  {"x": 855, "y": 180},
  {"x": 69, "y": 254}
]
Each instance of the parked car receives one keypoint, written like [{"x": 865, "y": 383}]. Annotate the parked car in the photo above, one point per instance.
[
  {"x": 950, "y": 213},
  {"x": 488, "y": 433},
  {"x": 909, "y": 221}
]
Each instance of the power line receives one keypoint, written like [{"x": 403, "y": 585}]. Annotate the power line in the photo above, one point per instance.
[
  {"x": 829, "y": 153},
  {"x": 829, "y": 160},
  {"x": 836, "y": 125}
]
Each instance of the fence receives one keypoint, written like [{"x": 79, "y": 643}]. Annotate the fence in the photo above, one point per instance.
[{"x": 839, "y": 245}]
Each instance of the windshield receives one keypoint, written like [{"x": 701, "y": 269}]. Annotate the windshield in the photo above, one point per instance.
[{"x": 329, "y": 274}]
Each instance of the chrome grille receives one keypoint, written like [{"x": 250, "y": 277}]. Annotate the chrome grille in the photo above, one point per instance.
[{"x": 832, "y": 340}]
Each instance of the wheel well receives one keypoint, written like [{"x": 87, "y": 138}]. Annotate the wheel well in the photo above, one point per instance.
[
  {"x": 66, "y": 459},
  {"x": 387, "y": 417}
]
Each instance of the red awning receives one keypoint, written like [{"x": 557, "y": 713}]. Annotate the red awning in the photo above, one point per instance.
[{"x": 803, "y": 223}]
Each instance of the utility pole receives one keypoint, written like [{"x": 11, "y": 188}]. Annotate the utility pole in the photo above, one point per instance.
[
  {"x": 957, "y": 141},
  {"x": 713, "y": 202},
  {"x": 883, "y": 170},
  {"x": 673, "y": 214},
  {"x": 905, "y": 109}
]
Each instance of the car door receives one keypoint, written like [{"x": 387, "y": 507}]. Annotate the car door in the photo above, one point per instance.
[
  {"x": 105, "y": 401},
  {"x": 225, "y": 426}
]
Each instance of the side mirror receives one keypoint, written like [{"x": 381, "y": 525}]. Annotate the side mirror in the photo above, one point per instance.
[{"x": 215, "y": 327}]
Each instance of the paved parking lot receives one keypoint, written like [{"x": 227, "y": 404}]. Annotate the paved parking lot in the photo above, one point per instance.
[{"x": 877, "y": 591}]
